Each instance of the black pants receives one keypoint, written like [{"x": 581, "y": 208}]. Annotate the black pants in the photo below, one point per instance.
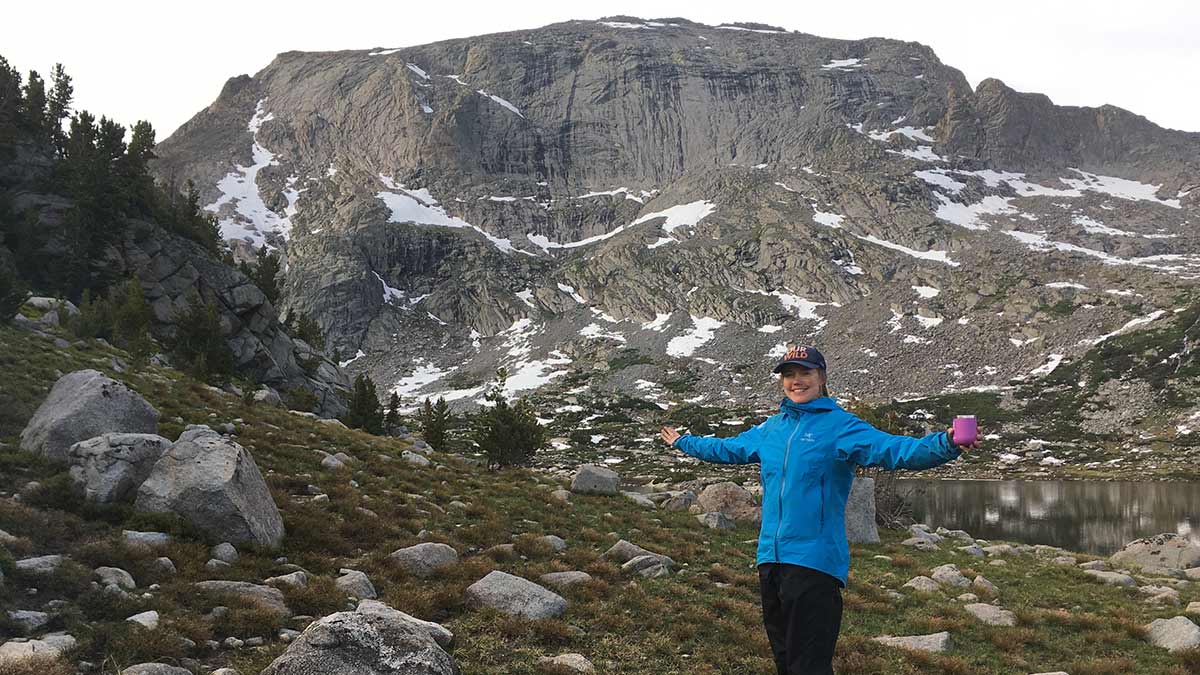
[{"x": 802, "y": 611}]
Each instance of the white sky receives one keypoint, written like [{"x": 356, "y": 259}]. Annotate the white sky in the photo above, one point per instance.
[{"x": 135, "y": 60}]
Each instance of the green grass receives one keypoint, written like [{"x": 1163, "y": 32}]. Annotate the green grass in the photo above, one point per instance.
[{"x": 704, "y": 620}]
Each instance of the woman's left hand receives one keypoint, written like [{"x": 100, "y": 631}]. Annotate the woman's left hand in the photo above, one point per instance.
[{"x": 973, "y": 446}]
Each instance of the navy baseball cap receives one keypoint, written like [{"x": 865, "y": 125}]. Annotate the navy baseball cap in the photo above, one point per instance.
[{"x": 800, "y": 355}]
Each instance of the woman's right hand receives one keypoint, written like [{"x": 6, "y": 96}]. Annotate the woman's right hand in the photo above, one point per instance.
[{"x": 669, "y": 435}]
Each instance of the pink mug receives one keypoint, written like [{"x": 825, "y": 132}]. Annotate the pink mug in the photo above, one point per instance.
[{"x": 966, "y": 431}]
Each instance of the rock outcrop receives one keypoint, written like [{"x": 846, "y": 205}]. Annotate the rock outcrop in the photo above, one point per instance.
[
  {"x": 213, "y": 482},
  {"x": 111, "y": 468},
  {"x": 370, "y": 643},
  {"x": 82, "y": 405}
]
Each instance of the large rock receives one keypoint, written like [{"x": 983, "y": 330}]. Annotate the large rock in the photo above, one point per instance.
[
  {"x": 731, "y": 499},
  {"x": 213, "y": 483},
  {"x": 111, "y": 468},
  {"x": 422, "y": 560},
  {"x": 948, "y": 575},
  {"x": 1169, "y": 551},
  {"x": 268, "y": 598},
  {"x": 860, "y": 512},
  {"x": 1174, "y": 634},
  {"x": 82, "y": 405},
  {"x": 515, "y": 596},
  {"x": 595, "y": 479},
  {"x": 363, "y": 643},
  {"x": 437, "y": 631}
]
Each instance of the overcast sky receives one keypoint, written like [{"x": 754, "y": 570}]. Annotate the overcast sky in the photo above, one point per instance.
[{"x": 135, "y": 60}]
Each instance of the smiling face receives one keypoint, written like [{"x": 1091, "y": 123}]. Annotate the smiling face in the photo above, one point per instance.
[{"x": 801, "y": 384}]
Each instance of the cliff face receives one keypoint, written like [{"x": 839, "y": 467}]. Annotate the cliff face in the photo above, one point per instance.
[
  {"x": 549, "y": 199},
  {"x": 172, "y": 270}
]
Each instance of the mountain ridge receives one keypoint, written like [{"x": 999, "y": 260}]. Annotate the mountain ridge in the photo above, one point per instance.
[{"x": 595, "y": 176}]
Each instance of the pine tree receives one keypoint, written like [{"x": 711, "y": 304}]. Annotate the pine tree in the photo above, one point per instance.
[
  {"x": 200, "y": 345},
  {"x": 265, "y": 273},
  {"x": 13, "y": 294},
  {"x": 196, "y": 223},
  {"x": 392, "y": 419},
  {"x": 59, "y": 104},
  {"x": 365, "y": 411},
  {"x": 94, "y": 319},
  {"x": 131, "y": 320},
  {"x": 33, "y": 108},
  {"x": 435, "y": 422},
  {"x": 10, "y": 102},
  {"x": 508, "y": 434},
  {"x": 309, "y": 330},
  {"x": 134, "y": 172}
]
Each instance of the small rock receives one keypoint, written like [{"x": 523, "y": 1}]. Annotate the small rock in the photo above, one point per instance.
[
  {"x": 155, "y": 669},
  {"x": 215, "y": 565},
  {"x": 164, "y": 566},
  {"x": 232, "y": 643},
  {"x": 149, "y": 620},
  {"x": 556, "y": 543},
  {"x": 922, "y": 584},
  {"x": 28, "y": 621},
  {"x": 1111, "y": 578},
  {"x": 568, "y": 579},
  {"x": 716, "y": 521},
  {"x": 949, "y": 575},
  {"x": 356, "y": 584},
  {"x": 296, "y": 579},
  {"x": 115, "y": 576},
  {"x": 45, "y": 564},
  {"x": 515, "y": 596},
  {"x": 422, "y": 560},
  {"x": 984, "y": 585},
  {"x": 936, "y": 642},
  {"x": 572, "y": 663},
  {"x": 991, "y": 614},
  {"x": 968, "y": 597},
  {"x": 595, "y": 479},
  {"x": 225, "y": 552}
]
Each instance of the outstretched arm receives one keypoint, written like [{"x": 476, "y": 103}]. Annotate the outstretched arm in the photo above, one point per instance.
[
  {"x": 863, "y": 444},
  {"x": 740, "y": 449}
]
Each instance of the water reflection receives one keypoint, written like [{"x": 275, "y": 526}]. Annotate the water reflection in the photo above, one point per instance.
[{"x": 1090, "y": 517}]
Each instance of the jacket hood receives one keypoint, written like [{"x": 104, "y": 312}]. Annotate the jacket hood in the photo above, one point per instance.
[{"x": 823, "y": 404}]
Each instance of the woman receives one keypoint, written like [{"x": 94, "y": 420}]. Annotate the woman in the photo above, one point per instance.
[{"x": 807, "y": 454}]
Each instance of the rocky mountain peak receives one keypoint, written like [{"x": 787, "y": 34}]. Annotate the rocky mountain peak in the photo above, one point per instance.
[{"x": 697, "y": 196}]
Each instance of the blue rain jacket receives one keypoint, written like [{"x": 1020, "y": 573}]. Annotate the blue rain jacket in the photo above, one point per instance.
[{"x": 807, "y": 455}]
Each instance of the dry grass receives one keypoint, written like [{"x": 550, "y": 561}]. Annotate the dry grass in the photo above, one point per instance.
[
  {"x": 1105, "y": 666},
  {"x": 36, "y": 665}
]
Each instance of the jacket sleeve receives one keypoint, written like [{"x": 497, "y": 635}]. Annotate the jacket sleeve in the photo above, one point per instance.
[
  {"x": 863, "y": 444},
  {"x": 740, "y": 449}
]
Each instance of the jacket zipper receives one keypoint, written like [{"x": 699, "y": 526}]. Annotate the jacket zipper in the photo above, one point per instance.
[
  {"x": 822, "y": 503},
  {"x": 783, "y": 482}
]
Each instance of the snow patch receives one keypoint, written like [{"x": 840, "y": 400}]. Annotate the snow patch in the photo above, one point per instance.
[
  {"x": 842, "y": 64},
  {"x": 250, "y": 219},
  {"x": 659, "y": 323},
  {"x": 936, "y": 256},
  {"x": 703, "y": 330},
  {"x": 1049, "y": 366}
]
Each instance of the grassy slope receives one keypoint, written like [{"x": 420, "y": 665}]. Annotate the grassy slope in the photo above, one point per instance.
[{"x": 703, "y": 621}]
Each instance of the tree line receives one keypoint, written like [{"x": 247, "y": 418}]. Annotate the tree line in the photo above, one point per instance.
[{"x": 106, "y": 179}]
